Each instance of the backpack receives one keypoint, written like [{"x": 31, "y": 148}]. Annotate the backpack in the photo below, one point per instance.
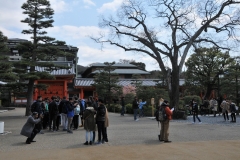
[
  {"x": 102, "y": 111},
  {"x": 160, "y": 114},
  {"x": 33, "y": 106},
  {"x": 64, "y": 108},
  {"x": 77, "y": 110}
]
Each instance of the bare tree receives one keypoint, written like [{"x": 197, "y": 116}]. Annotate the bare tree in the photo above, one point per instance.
[{"x": 167, "y": 29}]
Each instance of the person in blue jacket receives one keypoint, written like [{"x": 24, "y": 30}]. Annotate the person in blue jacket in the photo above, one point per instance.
[{"x": 140, "y": 105}]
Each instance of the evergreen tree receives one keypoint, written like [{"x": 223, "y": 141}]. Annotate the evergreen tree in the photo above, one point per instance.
[
  {"x": 106, "y": 83},
  {"x": 42, "y": 51},
  {"x": 204, "y": 68},
  {"x": 6, "y": 73}
]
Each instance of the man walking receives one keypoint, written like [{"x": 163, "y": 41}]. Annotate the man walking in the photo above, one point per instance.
[{"x": 195, "y": 111}]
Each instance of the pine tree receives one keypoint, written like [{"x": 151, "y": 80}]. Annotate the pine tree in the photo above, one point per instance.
[
  {"x": 6, "y": 73},
  {"x": 106, "y": 83},
  {"x": 42, "y": 51}
]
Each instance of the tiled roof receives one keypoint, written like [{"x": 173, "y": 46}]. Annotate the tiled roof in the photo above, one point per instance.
[
  {"x": 115, "y": 65},
  {"x": 126, "y": 71},
  {"x": 70, "y": 71},
  {"x": 87, "y": 82}
]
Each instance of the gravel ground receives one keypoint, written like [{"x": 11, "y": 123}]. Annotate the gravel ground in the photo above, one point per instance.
[{"x": 122, "y": 132}]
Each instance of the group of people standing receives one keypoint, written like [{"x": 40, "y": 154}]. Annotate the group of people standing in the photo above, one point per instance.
[
  {"x": 93, "y": 115},
  {"x": 224, "y": 107}
]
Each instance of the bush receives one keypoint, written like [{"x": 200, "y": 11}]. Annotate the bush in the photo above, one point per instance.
[
  {"x": 116, "y": 108},
  {"x": 187, "y": 99},
  {"x": 148, "y": 111},
  {"x": 128, "y": 98},
  {"x": 129, "y": 109}
]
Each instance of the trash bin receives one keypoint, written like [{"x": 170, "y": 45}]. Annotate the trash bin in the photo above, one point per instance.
[{"x": 1, "y": 127}]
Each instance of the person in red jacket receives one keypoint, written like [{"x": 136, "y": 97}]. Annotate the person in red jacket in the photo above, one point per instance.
[{"x": 164, "y": 133}]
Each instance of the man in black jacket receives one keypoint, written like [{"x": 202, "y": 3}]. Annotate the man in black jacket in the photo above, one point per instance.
[
  {"x": 38, "y": 107},
  {"x": 53, "y": 112},
  {"x": 100, "y": 119},
  {"x": 135, "y": 108},
  {"x": 63, "y": 110}
]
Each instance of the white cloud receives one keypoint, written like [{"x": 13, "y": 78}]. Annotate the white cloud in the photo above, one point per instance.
[
  {"x": 113, "y": 6},
  {"x": 89, "y": 2},
  {"x": 75, "y": 33},
  {"x": 59, "y": 6},
  {"x": 11, "y": 14},
  {"x": 13, "y": 34}
]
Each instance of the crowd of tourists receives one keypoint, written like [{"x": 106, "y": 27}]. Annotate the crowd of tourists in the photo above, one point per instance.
[
  {"x": 48, "y": 114},
  {"x": 93, "y": 115},
  {"x": 217, "y": 106}
]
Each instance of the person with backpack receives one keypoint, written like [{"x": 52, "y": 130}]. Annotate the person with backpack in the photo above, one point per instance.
[
  {"x": 166, "y": 117},
  {"x": 195, "y": 111},
  {"x": 53, "y": 113},
  {"x": 63, "y": 110},
  {"x": 100, "y": 119}
]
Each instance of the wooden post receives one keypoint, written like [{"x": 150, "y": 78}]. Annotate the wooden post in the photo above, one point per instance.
[{"x": 152, "y": 103}]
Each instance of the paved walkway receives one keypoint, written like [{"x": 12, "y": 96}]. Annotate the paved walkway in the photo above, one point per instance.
[{"x": 213, "y": 139}]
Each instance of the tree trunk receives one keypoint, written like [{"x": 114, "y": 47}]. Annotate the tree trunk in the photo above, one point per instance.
[
  {"x": 208, "y": 92},
  {"x": 174, "y": 92},
  {"x": 29, "y": 97}
]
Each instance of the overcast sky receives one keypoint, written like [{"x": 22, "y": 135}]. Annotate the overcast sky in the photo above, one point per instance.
[{"x": 74, "y": 22}]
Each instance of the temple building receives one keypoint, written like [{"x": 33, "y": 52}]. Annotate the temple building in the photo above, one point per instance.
[{"x": 77, "y": 80}]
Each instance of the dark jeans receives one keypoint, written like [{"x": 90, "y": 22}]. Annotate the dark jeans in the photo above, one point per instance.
[
  {"x": 123, "y": 110},
  {"x": 225, "y": 114},
  {"x": 58, "y": 121},
  {"x": 196, "y": 114},
  {"x": 233, "y": 116},
  {"x": 34, "y": 133},
  {"x": 75, "y": 121},
  {"x": 141, "y": 112},
  {"x": 101, "y": 130},
  {"x": 135, "y": 113},
  {"x": 45, "y": 120},
  {"x": 53, "y": 119},
  {"x": 106, "y": 137},
  {"x": 94, "y": 135},
  {"x": 38, "y": 127}
]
